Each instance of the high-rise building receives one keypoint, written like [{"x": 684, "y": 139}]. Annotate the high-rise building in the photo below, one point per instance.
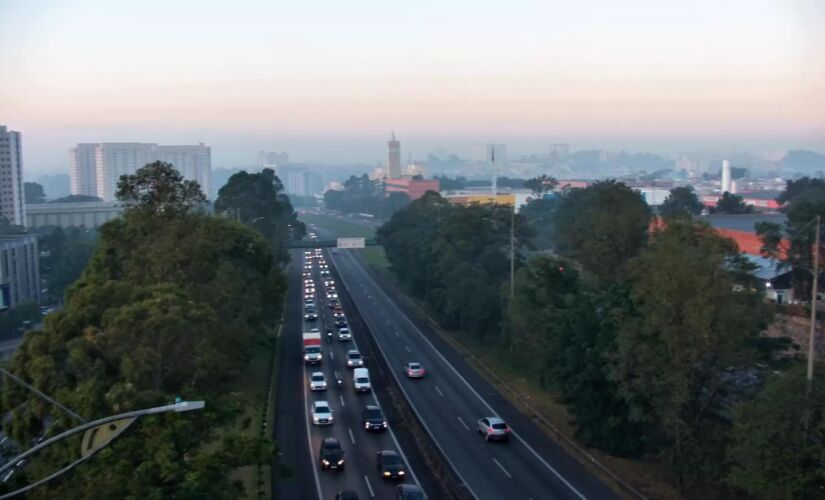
[
  {"x": 393, "y": 158},
  {"x": 83, "y": 170},
  {"x": 193, "y": 162},
  {"x": 726, "y": 178},
  {"x": 299, "y": 181},
  {"x": 114, "y": 159},
  {"x": 19, "y": 270},
  {"x": 12, "y": 203}
]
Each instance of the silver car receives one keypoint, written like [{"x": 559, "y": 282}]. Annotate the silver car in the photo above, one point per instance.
[
  {"x": 317, "y": 381},
  {"x": 493, "y": 428}
]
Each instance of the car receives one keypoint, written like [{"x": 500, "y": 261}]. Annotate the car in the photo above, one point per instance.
[
  {"x": 309, "y": 301},
  {"x": 373, "y": 418},
  {"x": 341, "y": 323},
  {"x": 331, "y": 455},
  {"x": 329, "y": 283},
  {"x": 332, "y": 303},
  {"x": 311, "y": 316},
  {"x": 494, "y": 428},
  {"x": 315, "y": 330},
  {"x": 317, "y": 381},
  {"x": 354, "y": 359},
  {"x": 333, "y": 295},
  {"x": 414, "y": 370},
  {"x": 321, "y": 413},
  {"x": 361, "y": 380},
  {"x": 338, "y": 315},
  {"x": 390, "y": 465},
  {"x": 408, "y": 492},
  {"x": 344, "y": 334}
]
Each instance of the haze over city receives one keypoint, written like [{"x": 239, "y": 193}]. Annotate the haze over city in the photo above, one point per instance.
[{"x": 327, "y": 81}]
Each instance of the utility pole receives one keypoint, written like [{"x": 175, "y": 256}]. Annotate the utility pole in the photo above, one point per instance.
[
  {"x": 814, "y": 290},
  {"x": 513, "y": 250}
]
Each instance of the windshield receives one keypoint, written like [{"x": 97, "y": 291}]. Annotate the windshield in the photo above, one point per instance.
[{"x": 362, "y": 380}]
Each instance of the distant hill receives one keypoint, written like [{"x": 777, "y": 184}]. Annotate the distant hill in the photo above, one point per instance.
[{"x": 804, "y": 162}]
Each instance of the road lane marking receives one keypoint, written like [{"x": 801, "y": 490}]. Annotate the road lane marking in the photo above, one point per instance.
[
  {"x": 369, "y": 487},
  {"x": 331, "y": 355},
  {"x": 406, "y": 318},
  {"x": 397, "y": 334},
  {"x": 309, "y": 442},
  {"x": 351, "y": 435},
  {"x": 439, "y": 391},
  {"x": 503, "y": 469},
  {"x": 463, "y": 423},
  {"x": 407, "y": 348},
  {"x": 342, "y": 400}
]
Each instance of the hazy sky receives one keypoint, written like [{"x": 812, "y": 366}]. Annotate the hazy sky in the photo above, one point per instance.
[{"x": 327, "y": 80}]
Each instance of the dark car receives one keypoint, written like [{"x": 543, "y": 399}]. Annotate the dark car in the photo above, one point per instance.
[
  {"x": 373, "y": 419},
  {"x": 408, "y": 492},
  {"x": 332, "y": 455},
  {"x": 390, "y": 465},
  {"x": 341, "y": 323}
]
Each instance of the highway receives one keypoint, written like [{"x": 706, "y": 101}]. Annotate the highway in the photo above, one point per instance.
[
  {"x": 360, "y": 473},
  {"x": 451, "y": 399}
]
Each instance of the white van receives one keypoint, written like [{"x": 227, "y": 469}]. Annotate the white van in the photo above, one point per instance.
[{"x": 361, "y": 380}]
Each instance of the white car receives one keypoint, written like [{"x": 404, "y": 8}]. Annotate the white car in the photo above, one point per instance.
[
  {"x": 321, "y": 413},
  {"x": 354, "y": 359},
  {"x": 317, "y": 381},
  {"x": 344, "y": 334}
]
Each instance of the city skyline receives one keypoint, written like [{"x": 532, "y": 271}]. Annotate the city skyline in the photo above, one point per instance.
[{"x": 738, "y": 75}]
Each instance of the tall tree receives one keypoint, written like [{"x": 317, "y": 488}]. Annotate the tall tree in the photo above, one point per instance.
[
  {"x": 771, "y": 454},
  {"x": 160, "y": 189},
  {"x": 793, "y": 244},
  {"x": 682, "y": 201},
  {"x": 731, "y": 204},
  {"x": 687, "y": 330},
  {"x": 33, "y": 192},
  {"x": 601, "y": 226},
  {"x": 258, "y": 201},
  {"x": 541, "y": 184}
]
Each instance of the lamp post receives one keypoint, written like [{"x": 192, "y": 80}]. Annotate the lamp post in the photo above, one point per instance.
[{"x": 814, "y": 291}]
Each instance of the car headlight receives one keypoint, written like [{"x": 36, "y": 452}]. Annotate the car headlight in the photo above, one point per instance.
[
  {"x": 384, "y": 424},
  {"x": 315, "y": 419},
  {"x": 386, "y": 473},
  {"x": 325, "y": 461},
  {"x": 401, "y": 473},
  {"x": 366, "y": 425},
  {"x": 341, "y": 462}
]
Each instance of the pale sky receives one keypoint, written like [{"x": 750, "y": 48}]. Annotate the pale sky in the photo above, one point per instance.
[{"x": 327, "y": 80}]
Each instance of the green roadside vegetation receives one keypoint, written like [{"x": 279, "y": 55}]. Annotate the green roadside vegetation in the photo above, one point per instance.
[
  {"x": 373, "y": 255},
  {"x": 645, "y": 345},
  {"x": 175, "y": 303}
]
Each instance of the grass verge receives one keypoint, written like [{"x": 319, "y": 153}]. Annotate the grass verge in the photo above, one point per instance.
[
  {"x": 256, "y": 385},
  {"x": 373, "y": 255}
]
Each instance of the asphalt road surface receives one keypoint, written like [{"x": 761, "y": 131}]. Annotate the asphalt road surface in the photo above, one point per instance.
[
  {"x": 299, "y": 439},
  {"x": 451, "y": 399}
]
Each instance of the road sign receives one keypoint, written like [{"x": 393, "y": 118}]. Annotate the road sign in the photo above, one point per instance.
[{"x": 350, "y": 242}]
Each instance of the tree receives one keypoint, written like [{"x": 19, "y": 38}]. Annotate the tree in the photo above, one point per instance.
[
  {"x": 686, "y": 332},
  {"x": 793, "y": 244},
  {"x": 541, "y": 184},
  {"x": 682, "y": 201},
  {"x": 771, "y": 456},
  {"x": 731, "y": 204},
  {"x": 601, "y": 226},
  {"x": 33, "y": 193},
  {"x": 563, "y": 331},
  {"x": 171, "y": 304},
  {"x": 539, "y": 214},
  {"x": 159, "y": 188},
  {"x": 258, "y": 201}
]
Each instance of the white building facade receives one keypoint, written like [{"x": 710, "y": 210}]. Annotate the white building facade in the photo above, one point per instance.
[
  {"x": 114, "y": 159},
  {"x": 19, "y": 270},
  {"x": 12, "y": 204}
]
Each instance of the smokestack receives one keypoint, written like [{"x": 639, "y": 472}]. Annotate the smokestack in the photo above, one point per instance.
[{"x": 726, "y": 176}]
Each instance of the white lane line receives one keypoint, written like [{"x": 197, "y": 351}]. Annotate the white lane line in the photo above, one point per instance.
[
  {"x": 463, "y": 423},
  {"x": 351, "y": 435},
  {"x": 439, "y": 391},
  {"x": 331, "y": 355},
  {"x": 342, "y": 400},
  {"x": 401, "y": 313},
  {"x": 503, "y": 469},
  {"x": 407, "y": 348},
  {"x": 369, "y": 487},
  {"x": 397, "y": 334}
]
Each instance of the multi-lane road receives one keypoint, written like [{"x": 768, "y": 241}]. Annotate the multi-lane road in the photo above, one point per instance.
[
  {"x": 451, "y": 399},
  {"x": 296, "y": 428}
]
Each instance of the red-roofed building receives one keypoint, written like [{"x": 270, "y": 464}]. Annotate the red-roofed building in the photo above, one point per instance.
[{"x": 414, "y": 188}]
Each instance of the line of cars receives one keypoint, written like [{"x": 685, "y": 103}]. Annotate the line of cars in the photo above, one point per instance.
[{"x": 389, "y": 463}]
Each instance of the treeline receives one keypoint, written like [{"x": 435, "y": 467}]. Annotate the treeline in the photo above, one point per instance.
[
  {"x": 363, "y": 195},
  {"x": 171, "y": 305},
  {"x": 654, "y": 340}
]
